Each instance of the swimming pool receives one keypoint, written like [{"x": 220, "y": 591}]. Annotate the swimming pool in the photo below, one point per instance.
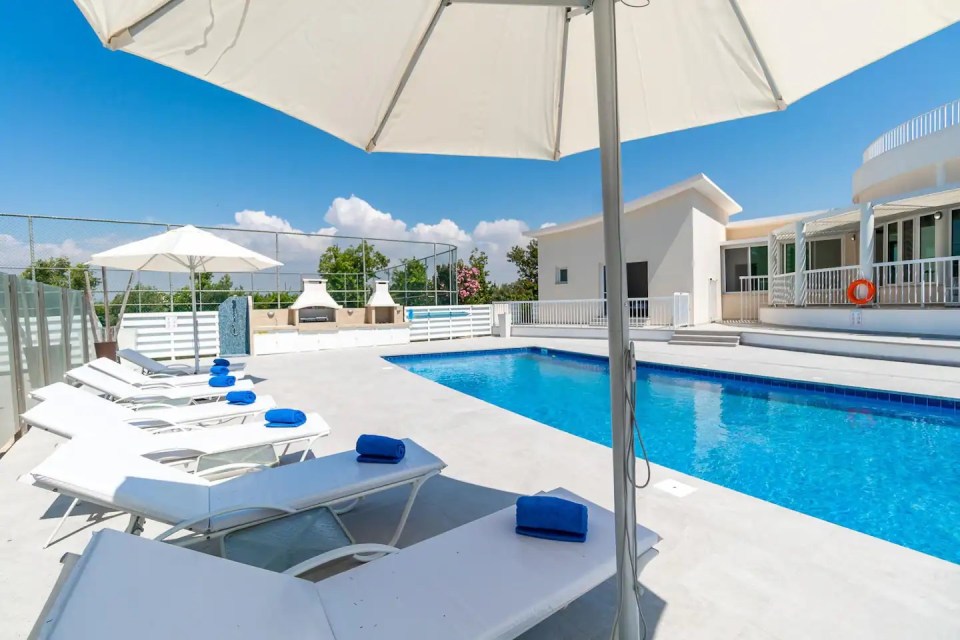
[{"x": 883, "y": 464}]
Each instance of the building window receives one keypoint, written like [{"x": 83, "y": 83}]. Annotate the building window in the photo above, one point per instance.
[
  {"x": 825, "y": 254},
  {"x": 928, "y": 237},
  {"x": 741, "y": 262},
  {"x": 561, "y": 275},
  {"x": 955, "y": 233},
  {"x": 758, "y": 260},
  {"x": 789, "y": 258}
]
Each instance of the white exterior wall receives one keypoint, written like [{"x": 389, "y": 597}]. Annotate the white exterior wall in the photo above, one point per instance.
[
  {"x": 908, "y": 321},
  {"x": 678, "y": 237},
  {"x": 709, "y": 231},
  {"x": 580, "y": 251}
]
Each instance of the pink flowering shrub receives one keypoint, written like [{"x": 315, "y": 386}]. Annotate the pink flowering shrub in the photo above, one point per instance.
[{"x": 468, "y": 281}]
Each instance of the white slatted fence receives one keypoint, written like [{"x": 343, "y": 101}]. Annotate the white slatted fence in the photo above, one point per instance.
[
  {"x": 445, "y": 322},
  {"x": 169, "y": 335}
]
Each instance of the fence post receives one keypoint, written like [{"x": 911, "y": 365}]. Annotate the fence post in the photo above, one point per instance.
[
  {"x": 32, "y": 245},
  {"x": 84, "y": 337},
  {"x": 276, "y": 256},
  {"x": 16, "y": 354},
  {"x": 66, "y": 330},
  {"x": 43, "y": 335}
]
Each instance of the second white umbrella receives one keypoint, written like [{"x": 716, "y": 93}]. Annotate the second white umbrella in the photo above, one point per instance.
[{"x": 184, "y": 250}]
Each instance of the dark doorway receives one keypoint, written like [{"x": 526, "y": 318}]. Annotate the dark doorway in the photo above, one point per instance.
[{"x": 637, "y": 280}]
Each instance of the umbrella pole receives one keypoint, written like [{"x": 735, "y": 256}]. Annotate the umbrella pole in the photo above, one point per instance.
[
  {"x": 628, "y": 622},
  {"x": 196, "y": 332}
]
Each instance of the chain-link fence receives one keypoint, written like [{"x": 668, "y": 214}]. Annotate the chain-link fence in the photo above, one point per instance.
[{"x": 52, "y": 249}]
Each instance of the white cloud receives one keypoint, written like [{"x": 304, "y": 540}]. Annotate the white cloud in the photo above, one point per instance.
[
  {"x": 547, "y": 225},
  {"x": 356, "y": 217},
  {"x": 15, "y": 253},
  {"x": 496, "y": 239},
  {"x": 444, "y": 231}
]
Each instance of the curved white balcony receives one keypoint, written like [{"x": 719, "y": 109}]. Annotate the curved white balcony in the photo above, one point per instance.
[
  {"x": 947, "y": 115},
  {"x": 920, "y": 154}
]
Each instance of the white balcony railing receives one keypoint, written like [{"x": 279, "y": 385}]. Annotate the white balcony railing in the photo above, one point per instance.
[
  {"x": 828, "y": 287},
  {"x": 661, "y": 311},
  {"x": 944, "y": 116},
  {"x": 931, "y": 281},
  {"x": 754, "y": 293},
  {"x": 781, "y": 289},
  {"x": 918, "y": 282}
]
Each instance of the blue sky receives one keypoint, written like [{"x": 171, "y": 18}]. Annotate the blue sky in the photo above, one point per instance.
[{"x": 88, "y": 132}]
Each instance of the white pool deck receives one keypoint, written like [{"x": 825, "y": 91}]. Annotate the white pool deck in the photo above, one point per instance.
[{"x": 731, "y": 566}]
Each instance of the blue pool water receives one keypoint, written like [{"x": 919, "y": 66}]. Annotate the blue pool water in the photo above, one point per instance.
[{"x": 887, "y": 468}]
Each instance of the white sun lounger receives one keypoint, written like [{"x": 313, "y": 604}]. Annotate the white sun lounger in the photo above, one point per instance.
[
  {"x": 149, "y": 365},
  {"x": 157, "y": 381},
  {"x": 174, "y": 442},
  {"x": 479, "y": 581},
  {"x": 120, "y": 391},
  {"x": 212, "y": 453},
  {"x": 156, "y": 415},
  {"x": 198, "y": 508}
]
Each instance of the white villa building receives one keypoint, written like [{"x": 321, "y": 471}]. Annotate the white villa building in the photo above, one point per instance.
[{"x": 901, "y": 233}]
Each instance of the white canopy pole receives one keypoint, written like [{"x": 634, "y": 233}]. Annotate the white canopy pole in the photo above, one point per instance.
[
  {"x": 618, "y": 337},
  {"x": 193, "y": 306}
]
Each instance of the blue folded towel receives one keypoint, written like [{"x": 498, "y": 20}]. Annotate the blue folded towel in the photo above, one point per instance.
[
  {"x": 221, "y": 362},
  {"x": 219, "y": 370},
  {"x": 285, "y": 418},
  {"x": 380, "y": 449},
  {"x": 222, "y": 381},
  {"x": 241, "y": 397},
  {"x": 551, "y": 518}
]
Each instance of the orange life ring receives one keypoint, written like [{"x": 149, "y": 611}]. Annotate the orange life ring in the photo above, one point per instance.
[{"x": 852, "y": 291}]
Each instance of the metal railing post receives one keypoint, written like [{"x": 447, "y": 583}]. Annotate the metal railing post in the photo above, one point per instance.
[
  {"x": 32, "y": 247},
  {"x": 84, "y": 337},
  {"x": 16, "y": 355},
  {"x": 66, "y": 329},
  {"x": 276, "y": 256},
  {"x": 43, "y": 335}
]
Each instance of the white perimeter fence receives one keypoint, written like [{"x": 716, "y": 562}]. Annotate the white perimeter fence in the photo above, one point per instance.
[
  {"x": 445, "y": 322},
  {"x": 170, "y": 335}
]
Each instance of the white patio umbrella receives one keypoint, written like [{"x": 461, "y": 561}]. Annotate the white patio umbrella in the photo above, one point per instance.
[
  {"x": 524, "y": 78},
  {"x": 184, "y": 250}
]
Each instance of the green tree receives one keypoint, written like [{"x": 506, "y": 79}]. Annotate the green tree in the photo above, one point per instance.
[
  {"x": 59, "y": 272},
  {"x": 525, "y": 259},
  {"x": 509, "y": 291},
  {"x": 210, "y": 292},
  {"x": 409, "y": 285},
  {"x": 344, "y": 271},
  {"x": 269, "y": 300},
  {"x": 143, "y": 298},
  {"x": 444, "y": 283}
]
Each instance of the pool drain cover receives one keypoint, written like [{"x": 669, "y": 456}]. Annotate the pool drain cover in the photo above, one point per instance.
[{"x": 675, "y": 488}]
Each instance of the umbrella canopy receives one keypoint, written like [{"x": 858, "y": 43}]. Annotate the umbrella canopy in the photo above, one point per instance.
[
  {"x": 529, "y": 79},
  {"x": 496, "y": 78},
  {"x": 184, "y": 250}
]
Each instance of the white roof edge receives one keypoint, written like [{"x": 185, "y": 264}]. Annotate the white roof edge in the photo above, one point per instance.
[
  {"x": 700, "y": 183},
  {"x": 783, "y": 217}
]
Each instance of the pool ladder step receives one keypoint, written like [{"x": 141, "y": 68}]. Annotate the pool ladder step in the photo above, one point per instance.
[{"x": 706, "y": 338}]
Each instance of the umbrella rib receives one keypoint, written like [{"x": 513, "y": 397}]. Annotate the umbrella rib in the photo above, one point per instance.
[
  {"x": 777, "y": 96},
  {"x": 135, "y": 24},
  {"x": 407, "y": 72},
  {"x": 563, "y": 79}
]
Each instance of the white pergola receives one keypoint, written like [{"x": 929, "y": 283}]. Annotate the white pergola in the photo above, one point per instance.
[{"x": 861, "y": 220}]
